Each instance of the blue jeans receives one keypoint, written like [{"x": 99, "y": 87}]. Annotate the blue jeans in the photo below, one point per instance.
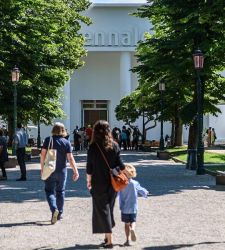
[{"x": 55, "y": 190}]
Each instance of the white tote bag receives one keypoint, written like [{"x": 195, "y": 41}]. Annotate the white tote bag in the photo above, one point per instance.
[{"x": 50, "y": 161}]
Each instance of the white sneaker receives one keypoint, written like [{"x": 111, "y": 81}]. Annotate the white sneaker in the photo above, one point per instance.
[
  {"x": 55, "y": 217},
  {"x": 133, "y": 235}
]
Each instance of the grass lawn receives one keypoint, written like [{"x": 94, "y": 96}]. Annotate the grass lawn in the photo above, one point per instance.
[
  {"x": 28, "y": 150},
  {"x": 176, "y": 149},
  {"x": 215, "y": 168},
  {"x": 209, "y": 157}
]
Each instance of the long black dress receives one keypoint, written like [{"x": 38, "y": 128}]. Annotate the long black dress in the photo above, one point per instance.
[{"x": 103, "y": 195}]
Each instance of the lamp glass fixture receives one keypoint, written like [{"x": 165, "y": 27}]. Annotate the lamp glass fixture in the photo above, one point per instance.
[
  {"x": 15, "y": 74},
  {"x": 198, "y": 59}
]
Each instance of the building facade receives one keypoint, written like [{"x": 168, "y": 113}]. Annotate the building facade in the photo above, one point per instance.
[{"x": 94, "y": 90}]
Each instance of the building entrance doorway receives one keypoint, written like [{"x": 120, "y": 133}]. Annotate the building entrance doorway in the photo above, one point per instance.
[{"x": 94, "y": 111}]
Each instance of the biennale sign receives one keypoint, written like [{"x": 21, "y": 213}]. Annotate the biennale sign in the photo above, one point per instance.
[{"x": 114, "y": 39}]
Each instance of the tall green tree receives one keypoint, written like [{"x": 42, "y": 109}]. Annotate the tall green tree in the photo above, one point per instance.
[
  {"x": 134, "y": 106},
  {"x": 181, "y": 27},
  {"x": 43, "y": 39}
]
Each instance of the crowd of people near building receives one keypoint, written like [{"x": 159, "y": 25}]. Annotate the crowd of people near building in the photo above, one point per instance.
[{"x": 126, "y": 138}]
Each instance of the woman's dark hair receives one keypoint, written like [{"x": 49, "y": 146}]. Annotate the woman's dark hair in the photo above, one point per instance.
[
  {"x": 1, "y": 132},
  {"x": 102, "y": 134}
]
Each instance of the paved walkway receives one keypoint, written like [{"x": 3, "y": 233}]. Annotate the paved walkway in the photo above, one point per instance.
[{"x": 185, "y": 211}]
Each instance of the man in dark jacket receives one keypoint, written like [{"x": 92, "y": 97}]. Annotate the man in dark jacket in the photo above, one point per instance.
[{"x": 3, "y": 155}]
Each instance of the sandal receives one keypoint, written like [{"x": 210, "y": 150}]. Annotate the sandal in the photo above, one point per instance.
[
  {"x": 103, "y": 243},
  {"x": 109, "y": 246},
  {"x": 127, "y": 243}
]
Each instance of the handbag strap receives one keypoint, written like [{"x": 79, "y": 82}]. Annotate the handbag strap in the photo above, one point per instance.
[
  {"x": 50, "y": 144},
  {"x": 103, "y": 156}
]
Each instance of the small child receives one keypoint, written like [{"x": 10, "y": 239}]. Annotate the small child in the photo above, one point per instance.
[{"x": 128, "y": 202}]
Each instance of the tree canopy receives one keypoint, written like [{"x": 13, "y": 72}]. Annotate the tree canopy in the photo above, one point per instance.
[
  {"x": 42, "y": 38},
  {"x": 180, "y": 28}
]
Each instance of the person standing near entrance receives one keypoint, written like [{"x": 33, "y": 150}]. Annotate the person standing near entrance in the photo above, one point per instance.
[
  {"x": 3, "y": 155},
  {"x": 213, "y": 136},
  {"x": 99, "y": 182},
  {"x": 21, "y": 141},
  {"x": 76, "y": 141},
  {"x": 209, "y": 137},
  {"x": 88, "y": 133}
]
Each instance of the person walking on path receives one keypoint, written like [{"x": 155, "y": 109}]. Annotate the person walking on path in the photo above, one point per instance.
[
  {"x": 55, "y": 185},
  {"x": 3, "y": 155},
  {"x": 21, "y": 140},
  {"x": 128, "y": 203},
  {"x": 99, "y": 182}
]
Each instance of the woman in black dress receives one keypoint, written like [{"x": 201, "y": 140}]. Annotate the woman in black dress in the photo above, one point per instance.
[{"x": 98, "y": 179}]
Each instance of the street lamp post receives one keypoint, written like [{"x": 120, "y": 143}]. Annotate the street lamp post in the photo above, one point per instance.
[
  {"x": 161, "y": 89},
  {"x": 39, "y": 135},
  {"x": 143, "y": 127},
  {"x": 15, "y": 79},
  {"x": 198, "y": 58}
]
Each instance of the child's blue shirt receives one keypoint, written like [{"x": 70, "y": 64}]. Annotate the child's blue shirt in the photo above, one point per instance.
[{"x": 128, "y": 197}]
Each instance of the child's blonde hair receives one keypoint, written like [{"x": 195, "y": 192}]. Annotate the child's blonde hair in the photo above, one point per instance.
[{"x": 130, "y": 170}]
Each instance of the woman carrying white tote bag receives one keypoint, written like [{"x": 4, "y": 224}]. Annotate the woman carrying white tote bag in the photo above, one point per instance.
[
  {"x": 55, "y": 183},
  {"x": 50, "y": 161}
]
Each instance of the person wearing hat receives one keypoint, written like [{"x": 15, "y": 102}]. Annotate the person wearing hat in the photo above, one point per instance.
[{"x": 128, "y": 202}]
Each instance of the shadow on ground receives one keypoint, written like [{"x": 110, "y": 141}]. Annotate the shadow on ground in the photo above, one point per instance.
[
  {"x": 77, "y": 246},
  {"x": 179, "y": 246},
  {"x": 159, "y": 178},
  {"x": 167, "y": 247},
  {"x": 88, "y": 246},
  {"x": 27, "y": 223}
]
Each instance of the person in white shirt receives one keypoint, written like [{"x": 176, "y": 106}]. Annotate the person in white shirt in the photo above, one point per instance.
[{"x": 21, "y": 140}]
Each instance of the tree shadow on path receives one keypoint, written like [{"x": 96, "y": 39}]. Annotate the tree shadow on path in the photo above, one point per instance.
[
  {"x": 87, "y": 246},
  {"x": 28, "y": 223},
  {"x": 160, "y": 178},
  {"x": 179, "y": 246}
]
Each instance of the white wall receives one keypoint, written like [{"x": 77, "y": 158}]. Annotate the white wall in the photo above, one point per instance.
[
  {"x": 218, "y": 123},
  {"x": 97, "y": 80},
  {"x": 117, "y": 20}
]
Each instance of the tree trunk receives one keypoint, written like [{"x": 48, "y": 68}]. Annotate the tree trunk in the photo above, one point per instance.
[
  {"x": 10, "y": 130},
  {"x": 172, "y": 133},
  {"x": 192, "y": 137},
  {"x": 178, "y": 132},
  {"x": 143, "y": 136}
]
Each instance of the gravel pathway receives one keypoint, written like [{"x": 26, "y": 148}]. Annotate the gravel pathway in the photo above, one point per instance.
[{"x": 185, "y": 211}]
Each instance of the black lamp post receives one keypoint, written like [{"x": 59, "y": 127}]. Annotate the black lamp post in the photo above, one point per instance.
[
  {"x": 198, "y": 58},
  {"x": 15, "y": 79},
  {"x": 161, "y": 89},
  {"x": 39, "y": 135},
  {"x": 143, "y": 127}
]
